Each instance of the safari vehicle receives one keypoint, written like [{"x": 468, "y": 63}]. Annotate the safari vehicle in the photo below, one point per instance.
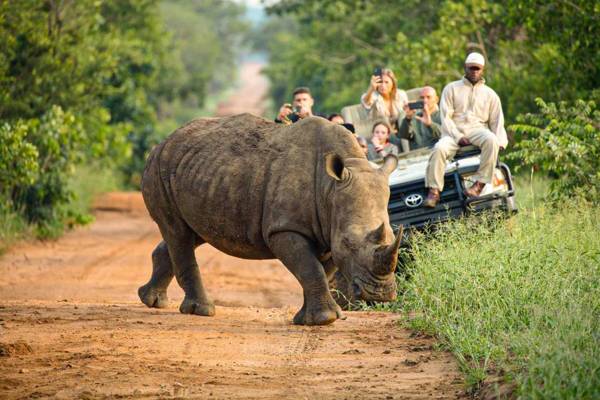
[
  {"x": 408, "y": 191},
  {"x": 407, "y": 182}
]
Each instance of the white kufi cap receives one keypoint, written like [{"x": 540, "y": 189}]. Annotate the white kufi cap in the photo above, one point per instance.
[{"x": 475, "y": 58}]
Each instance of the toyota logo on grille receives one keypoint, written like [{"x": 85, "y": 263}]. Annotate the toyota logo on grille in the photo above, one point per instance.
[{"x": 413, "y": 200}]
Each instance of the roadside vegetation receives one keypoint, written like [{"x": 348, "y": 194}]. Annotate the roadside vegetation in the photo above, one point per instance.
[
  {"x": 516, "y": 298},
  {"x": 88, "y": 87}
]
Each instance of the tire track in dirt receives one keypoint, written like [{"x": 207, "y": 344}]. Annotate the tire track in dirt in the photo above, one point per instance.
[{"x": 118, "y": 252}]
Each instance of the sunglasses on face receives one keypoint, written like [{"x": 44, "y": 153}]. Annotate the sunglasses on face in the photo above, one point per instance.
[{"x": 474, "y": 68}]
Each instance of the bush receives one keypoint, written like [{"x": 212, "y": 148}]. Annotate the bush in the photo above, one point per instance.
[
  {"x": 18, "y": 158},
  {"x": 563, "y": 141},
  {"x": 56, "y": 140},
  {"x": 12, "y": 225}
]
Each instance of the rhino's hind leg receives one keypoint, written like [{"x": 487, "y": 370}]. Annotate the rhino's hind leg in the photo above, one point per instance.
[
  {"x": 154, "y": 293},
  {"x": 298, "y": 255},
  {"x": 187, "y": 273}
]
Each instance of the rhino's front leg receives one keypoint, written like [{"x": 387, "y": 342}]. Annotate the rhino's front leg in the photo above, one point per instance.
[{"x": 298, "y": 255}]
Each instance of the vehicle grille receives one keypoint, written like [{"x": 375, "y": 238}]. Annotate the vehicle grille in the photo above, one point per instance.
[{"x": 451, "y": 204}]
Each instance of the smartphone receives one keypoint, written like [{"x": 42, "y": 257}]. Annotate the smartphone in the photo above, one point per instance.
[
  {"x": 378, "y": 71},
  {"x": 416, "y": 105}
]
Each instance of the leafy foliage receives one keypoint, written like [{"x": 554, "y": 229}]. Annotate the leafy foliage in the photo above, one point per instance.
[
  {"x": 84, "y": 82},
  {"x": 57, "y": 138},
  {"x": 563, "y": 140},
  {"x": 206, "y": 35},
  {"x": 18, "y": 158}
]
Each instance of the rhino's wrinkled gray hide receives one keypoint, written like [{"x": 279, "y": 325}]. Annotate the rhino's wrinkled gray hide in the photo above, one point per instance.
[{"x": 304, "y": 194}]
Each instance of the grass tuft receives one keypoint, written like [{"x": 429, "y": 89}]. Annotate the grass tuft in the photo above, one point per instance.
[{"x": 12, "y": 226}]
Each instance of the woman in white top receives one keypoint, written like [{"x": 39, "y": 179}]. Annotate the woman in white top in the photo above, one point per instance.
[{"x": 383, "y": 100}]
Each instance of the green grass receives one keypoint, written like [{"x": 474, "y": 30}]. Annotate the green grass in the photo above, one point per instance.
[
  {"x": 518, "y": 298},
  {"x": 12, "y": 226}
]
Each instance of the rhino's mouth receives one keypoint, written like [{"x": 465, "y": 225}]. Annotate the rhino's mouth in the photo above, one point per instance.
[{"x": 376, "y": 290}]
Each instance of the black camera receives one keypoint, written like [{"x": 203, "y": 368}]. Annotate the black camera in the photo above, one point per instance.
[
  {"x": 293, "y": 117},
  {"x": 378, "y": 71},
  {"x": 416, "y": 105}
]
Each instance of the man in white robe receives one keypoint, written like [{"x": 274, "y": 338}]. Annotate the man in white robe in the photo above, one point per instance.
[{"x": 471, "y": 114}]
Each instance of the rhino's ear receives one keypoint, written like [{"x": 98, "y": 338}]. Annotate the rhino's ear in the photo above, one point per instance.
[
  {"x": 334, "y": 166},
  {"x": 389, "y": 164}
]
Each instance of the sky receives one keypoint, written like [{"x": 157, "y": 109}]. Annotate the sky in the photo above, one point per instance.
[{"x": 250, "y": 3}]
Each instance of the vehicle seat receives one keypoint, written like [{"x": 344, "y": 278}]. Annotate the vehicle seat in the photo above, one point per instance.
[
  {"x": 467, "y": 151},
  {"x": 414, "y": 94},
  {"x": 358, "y": 116}
]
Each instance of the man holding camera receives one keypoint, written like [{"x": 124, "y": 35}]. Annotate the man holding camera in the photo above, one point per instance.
[
  {"x": 422, "y": 128},
  {"x": 471, "y": 114},
  {"x": 301, "y": 107}
]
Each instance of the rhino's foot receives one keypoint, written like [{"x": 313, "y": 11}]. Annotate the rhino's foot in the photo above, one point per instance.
[
  {"x": 191, "y": 306},
  {"x": 153, "y": 297},
  {"x": 323, "y": 315}
]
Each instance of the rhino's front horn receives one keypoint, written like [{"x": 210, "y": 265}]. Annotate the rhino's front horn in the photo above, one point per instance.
[
  {"x": 390, "y": 162},
  {"x": 385, "y": 256}
]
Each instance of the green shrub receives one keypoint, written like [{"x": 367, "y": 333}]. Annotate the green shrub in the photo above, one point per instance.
[
  {"x": 18, "y": 158},
  {"x": 564, "y": 141}
]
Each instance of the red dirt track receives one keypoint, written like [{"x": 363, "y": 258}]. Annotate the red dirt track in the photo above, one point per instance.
[{"x": 72, "y": 326}]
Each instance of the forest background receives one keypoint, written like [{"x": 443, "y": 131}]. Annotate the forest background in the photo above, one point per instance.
[{"x": 87, "y": 87}]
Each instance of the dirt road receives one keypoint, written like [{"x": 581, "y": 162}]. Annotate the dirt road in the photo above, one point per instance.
[{"x": 71, "y": 326}]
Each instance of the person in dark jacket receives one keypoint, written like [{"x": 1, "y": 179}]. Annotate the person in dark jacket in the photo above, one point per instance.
[{"x": 422, "y": 128}]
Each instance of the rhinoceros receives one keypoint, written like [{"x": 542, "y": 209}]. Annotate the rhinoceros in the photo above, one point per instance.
[{"x": 303, "y": 193}]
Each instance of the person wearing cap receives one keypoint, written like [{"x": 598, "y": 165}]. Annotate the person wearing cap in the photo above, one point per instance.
[{"x": 471, "y": 114}]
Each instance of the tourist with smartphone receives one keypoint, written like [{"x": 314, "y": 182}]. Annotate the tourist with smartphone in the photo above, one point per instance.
[
  {"x": 383, "y": 100},
  {"x": 422, "y": 124}
]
